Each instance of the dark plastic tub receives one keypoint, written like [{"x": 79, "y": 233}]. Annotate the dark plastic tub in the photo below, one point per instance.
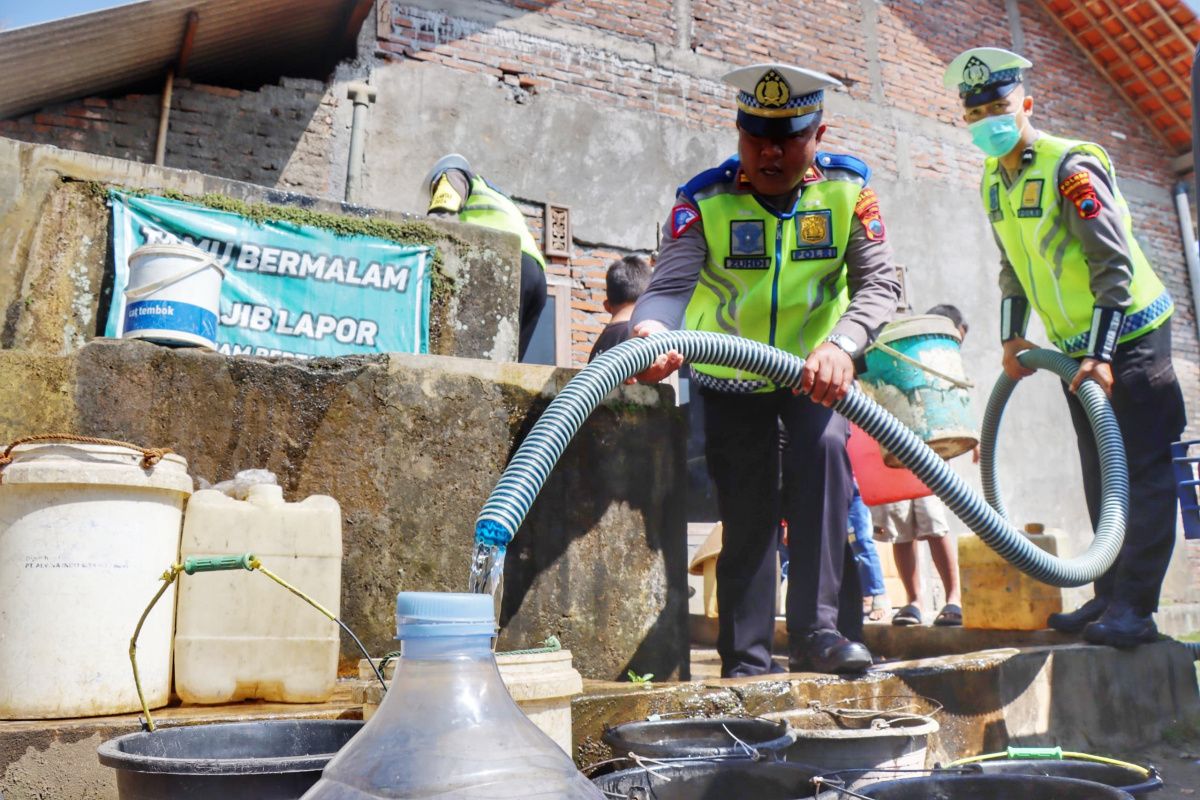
[
  {"x": 730, "y": 779},
  {"x": 984, "y": 787},
  {"x": 698, "y": 738},
  {"x": 267, "y": 760},
  {"x": 1115, "y": 775}
]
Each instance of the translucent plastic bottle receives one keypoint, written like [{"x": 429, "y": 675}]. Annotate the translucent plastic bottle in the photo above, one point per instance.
[{"x": 447, "y": 727}]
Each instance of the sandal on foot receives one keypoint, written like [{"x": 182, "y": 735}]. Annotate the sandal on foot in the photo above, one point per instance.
[
  {"x": 909, "y": 615},
  {"x": 950, "y": 616}
]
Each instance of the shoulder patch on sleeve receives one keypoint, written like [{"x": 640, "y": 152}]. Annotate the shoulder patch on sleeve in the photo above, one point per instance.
[
  {"x": 834, "y": 162},
  {"x": 683, "y": 216},
  {"x": 1079, "y": 190},
  {"x": 725, "y": 172},
  {"x": 867, "y": 211}
]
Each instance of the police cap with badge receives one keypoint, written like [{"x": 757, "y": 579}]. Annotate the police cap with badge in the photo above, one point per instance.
[
  {"x": 984, "y": 74},
  {"x": 775, "y": 100}
]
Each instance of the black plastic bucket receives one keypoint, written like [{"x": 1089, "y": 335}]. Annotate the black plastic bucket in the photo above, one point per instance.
[
  {"x": 698, "y": 738},
  {"x": 730, "y": 779},
  {"x": 267, "y": 760},
  {"x": 1121, "y": 777},
  {"x": 984, "y": 787}
]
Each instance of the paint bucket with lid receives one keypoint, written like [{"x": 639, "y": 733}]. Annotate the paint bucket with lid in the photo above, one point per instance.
[
  {"x": 915, "y": 371},
  {"x": 85, "y": 530},
  {"x": 173, "y": 296}
]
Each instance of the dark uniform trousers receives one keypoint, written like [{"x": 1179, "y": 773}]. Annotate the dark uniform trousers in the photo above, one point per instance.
[
  {"x": 1148, "y": 405},
  {"x": 533, "y": 300},
  {"x": 742, "y": 450}
]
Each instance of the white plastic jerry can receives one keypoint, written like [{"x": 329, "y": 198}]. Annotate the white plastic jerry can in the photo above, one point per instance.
[{"x": 240, "y": 635}]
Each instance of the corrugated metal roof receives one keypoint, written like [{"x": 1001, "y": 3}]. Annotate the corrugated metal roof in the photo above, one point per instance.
[
  {"x": 1145, "y": 49},
  {"x": 236, "y": 42}
]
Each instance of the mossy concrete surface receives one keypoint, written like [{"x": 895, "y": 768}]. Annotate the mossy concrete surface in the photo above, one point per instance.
[
  {"x": 56, "y": 271},
  {"x": 411, "y": 446}
]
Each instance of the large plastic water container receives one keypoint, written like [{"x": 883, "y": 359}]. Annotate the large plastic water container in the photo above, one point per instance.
[
  {"x": 240, "y": 635},
  {"x": 447, "y": 727},
  {"x": 85, "y": 534}
]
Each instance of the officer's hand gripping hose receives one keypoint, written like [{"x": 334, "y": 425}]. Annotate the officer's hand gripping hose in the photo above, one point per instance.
[{"x": 525, "y": 474}]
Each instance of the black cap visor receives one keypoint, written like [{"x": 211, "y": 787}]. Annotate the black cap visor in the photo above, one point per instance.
[
  {"x": 775, "y": 127},
  {"x": 989, "y": 93}
]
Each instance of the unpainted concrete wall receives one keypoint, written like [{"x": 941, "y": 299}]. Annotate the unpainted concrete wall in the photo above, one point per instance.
[
  {"x": 411, "y": 446},
  {"x": 55, "y": 259}
]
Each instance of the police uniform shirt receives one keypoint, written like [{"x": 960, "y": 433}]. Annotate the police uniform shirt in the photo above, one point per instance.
[
  {"x": 870, "y": 276},
  {"x": 1102, "y": 236}
]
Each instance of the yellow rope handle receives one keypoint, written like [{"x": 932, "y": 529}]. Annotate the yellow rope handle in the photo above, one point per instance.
[
  {"x": 1145, "y": 773},
  {"x": 168, "y": 577},
  {"x": 255, "y": 564},
  {"x": 150, "y": 455}
]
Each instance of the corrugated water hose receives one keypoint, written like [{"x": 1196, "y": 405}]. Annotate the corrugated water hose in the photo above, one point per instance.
[{"x": 525, "y": 474}]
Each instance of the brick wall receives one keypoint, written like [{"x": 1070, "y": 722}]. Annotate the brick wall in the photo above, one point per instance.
[
  {"x": 664, "y": 58},
  {"x": 890, "y": 55},
  {"x": 278, "y": 135}
]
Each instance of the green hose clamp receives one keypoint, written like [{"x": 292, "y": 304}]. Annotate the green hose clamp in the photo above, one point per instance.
[{"x": 194, "y": 564}]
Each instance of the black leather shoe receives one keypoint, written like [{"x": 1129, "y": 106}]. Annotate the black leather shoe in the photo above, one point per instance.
[
  {"x": 1077, "y": 620},
  {"x": 1122, "y": 626},
  {"x": 829, "y": 651}
]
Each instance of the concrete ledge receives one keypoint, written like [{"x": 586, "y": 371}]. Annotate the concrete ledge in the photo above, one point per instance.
[
  {"x": 56, "y": 279},
  {"x": 57, "y": 758},
  {"x": 1077, "y": 696},
  {"x": 411, "y": 446},
  {"x": 894, "y": 643}
]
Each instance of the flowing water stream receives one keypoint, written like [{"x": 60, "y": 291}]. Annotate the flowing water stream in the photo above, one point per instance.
[{"x": 487, "y": 569}]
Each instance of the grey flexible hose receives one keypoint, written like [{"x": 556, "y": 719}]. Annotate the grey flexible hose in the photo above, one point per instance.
[{"x": 525, "y": 474}]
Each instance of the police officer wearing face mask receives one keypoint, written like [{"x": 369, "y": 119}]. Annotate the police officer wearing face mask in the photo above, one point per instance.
[
  {"x": 1068, "y": 253},
  {"x": 784, "y": 245}
]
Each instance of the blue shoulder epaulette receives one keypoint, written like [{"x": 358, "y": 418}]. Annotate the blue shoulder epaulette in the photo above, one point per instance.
[
  {"x": 726, "y": 172},
  {"x": 842, "y": 161}
]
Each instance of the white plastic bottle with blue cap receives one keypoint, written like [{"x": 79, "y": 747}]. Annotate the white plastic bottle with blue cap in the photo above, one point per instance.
[{"x": 447, "y": 727}]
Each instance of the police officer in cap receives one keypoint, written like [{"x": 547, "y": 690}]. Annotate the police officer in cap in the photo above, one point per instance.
[
  {"x": 455, "y": 189},
  {"x": 1067, "y": 252},
  {"x": 783, "y": 244}
]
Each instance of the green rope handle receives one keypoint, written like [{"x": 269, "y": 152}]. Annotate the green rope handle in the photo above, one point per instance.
[{"x": 246, "y": 561}]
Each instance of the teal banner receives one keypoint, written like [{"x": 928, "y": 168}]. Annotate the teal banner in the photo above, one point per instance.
[{"x": 290, "y": 290}]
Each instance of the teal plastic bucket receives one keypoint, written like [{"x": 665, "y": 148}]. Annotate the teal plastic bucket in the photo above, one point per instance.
[{"x": 915, "y": 371}]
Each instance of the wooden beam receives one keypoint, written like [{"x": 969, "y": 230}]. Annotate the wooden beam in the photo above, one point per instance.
[
  {"x": 1187, "y": 42},
  {"x": 1134, "y": 69},
  {"x": 1149, "y": 48},
  {"x": 185, "y": 46},
  {"x": 1087, "y": 52}
]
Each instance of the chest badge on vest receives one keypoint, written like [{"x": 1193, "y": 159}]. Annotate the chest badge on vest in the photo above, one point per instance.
[
  {"x": 1031, "y": 199},
  {"x": 994, "y": 212},
  {"x": 814, "y": 235},
  {"x": 747, "y": 245}
]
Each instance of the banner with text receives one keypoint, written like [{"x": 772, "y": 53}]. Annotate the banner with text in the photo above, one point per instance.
[{"x": 290, "y": 290}]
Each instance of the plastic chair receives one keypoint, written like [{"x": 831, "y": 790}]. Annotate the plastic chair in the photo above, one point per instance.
[{"x": 1185, "y": 485}]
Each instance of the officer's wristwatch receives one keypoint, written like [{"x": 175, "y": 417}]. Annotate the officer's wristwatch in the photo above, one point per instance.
[{"x": 844, "y": 343}]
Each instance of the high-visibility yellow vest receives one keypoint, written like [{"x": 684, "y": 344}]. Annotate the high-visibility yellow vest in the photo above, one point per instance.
[
  {"x": 487, "y": 207},
  {"x": 775, "y": 278},
  {"x": 1049, "y": 261}
]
